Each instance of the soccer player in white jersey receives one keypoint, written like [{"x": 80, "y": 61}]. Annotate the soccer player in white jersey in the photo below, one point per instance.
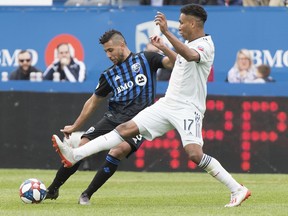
[{"x": 182, "y": 108}]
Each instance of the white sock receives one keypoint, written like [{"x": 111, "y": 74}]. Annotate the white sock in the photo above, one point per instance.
[
  {"x": 215, "y": 169},
  {"x": 101, "y": 143}
]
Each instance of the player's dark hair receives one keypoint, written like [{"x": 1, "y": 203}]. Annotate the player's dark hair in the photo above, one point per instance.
[
  {"x": 108, "y": 35},
  {"x": 195, "y": 10}
]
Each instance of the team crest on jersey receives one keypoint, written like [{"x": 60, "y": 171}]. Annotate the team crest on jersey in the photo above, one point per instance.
[
  {"x": 136, "y": 68},
  {"x": 141, "y": 79},
  {"x": 201, "y": 48}
]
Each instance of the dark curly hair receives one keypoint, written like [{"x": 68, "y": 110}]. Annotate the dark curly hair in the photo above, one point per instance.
[
  {"x": 111, "y": 34},
  {"x": 195, "y": 10}
]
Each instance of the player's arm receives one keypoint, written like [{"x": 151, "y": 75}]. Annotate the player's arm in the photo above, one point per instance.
[
  {"x": 181, "y": 48},
  {"x": 89, "y": 107},
  {"x": 169, "y": 59},
  {"x": 170, "y": 56},
  {"x": 102, "y": 90}
]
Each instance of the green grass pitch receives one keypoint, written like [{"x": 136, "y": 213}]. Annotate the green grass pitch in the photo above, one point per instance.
[{"x": 147, "y": 193}]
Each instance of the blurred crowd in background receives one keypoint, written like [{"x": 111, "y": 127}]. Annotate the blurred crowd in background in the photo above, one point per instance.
[
  {"x": 68, "y": 68},
  {"x": 159, "y": 3}
]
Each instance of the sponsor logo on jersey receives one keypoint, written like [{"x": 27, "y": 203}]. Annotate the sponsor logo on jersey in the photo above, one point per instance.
[
  {"x": 141, "y": 79},
  {"x": 125, "y": 86},
  {"x": 117, "y": 77}
]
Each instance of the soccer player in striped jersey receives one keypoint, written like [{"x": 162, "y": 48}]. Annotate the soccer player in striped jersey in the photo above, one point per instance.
[
  {"x": 131, "y": 80},
  {"x": 182, "y": 108}
]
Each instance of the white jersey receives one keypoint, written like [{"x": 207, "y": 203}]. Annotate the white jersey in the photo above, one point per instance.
[{"x": 188, "y": 82}]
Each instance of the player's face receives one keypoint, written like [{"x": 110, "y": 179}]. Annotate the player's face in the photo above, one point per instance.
[
  {"x": 24, "y": 60},
  {"x": 114, "y": 51},
  {"x": 185, "y": 26}
]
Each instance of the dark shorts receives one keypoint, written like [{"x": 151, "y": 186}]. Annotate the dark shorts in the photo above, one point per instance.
[{"x": 104, "y": 126}]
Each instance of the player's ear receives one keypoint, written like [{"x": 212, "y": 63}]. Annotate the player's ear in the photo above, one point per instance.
[{"x": 123, "y": 44}]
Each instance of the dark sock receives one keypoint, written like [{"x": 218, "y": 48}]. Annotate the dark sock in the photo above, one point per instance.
[
  {"x": 62, "y": 175},
  {"x": 104, "y": 173}
]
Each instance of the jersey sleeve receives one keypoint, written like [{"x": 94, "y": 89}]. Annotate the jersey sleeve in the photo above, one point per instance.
[
  {"x": 155, "y": 60},
  {"x": 103, "y": 88},
  {"x": 205, "y": 51}
]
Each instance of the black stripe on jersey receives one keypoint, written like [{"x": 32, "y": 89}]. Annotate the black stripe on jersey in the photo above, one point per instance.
[
  {"x": 144, "y": 97},
  {"x": 122, "y": 86},
  {"x": 121, "y": 82},
  {"x": 109, "y": 75},
  {"x": 129, "y": 76},
  {"x": 131, "y": 61},
  {"x": 150, "y": 91}
]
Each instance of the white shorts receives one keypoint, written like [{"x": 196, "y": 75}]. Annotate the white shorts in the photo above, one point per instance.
[{"x": 161, "y": 117}]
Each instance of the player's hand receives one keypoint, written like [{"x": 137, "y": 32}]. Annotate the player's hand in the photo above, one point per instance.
[
  {"x": 67, "y": 130},
  {"x": 157, "y": 41},
  {"x": 161, "y": 21}
]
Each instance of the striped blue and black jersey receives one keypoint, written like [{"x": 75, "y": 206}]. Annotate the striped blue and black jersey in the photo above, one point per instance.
[{"x": 132, "y": 85}]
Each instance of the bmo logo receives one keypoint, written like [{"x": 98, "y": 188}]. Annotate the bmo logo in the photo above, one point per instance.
[
  {"x": 9, "y": 59},
  {"x": 75, "y": 46}
]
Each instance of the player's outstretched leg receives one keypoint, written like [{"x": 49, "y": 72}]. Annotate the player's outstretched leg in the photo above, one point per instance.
[
  {"x": 105, "y": 172},
  {"x": 62, "y": 175},
  {"x": 239, "y": 193},
  {"x": 53, "y": 195},
  {"x": 64, "y": 151},
  {"x": 238, "y": 197},
  {"x": 84, "y": 199}
]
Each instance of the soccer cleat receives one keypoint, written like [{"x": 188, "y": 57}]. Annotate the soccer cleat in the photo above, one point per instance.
[
  {"x": 52, "y": 195},
  {"x": 84, "y": 199},
  {"x": 64, "y": 151},
  {"x": 238, "y": 197}
]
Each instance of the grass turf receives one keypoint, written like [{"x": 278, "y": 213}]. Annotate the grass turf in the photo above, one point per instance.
[{"x": 140, "y": 193}]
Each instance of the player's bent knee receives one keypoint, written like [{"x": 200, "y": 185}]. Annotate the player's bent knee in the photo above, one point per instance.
[
  {"x": 127, "y": 129},
  {"x": 120, "y": 151}
]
